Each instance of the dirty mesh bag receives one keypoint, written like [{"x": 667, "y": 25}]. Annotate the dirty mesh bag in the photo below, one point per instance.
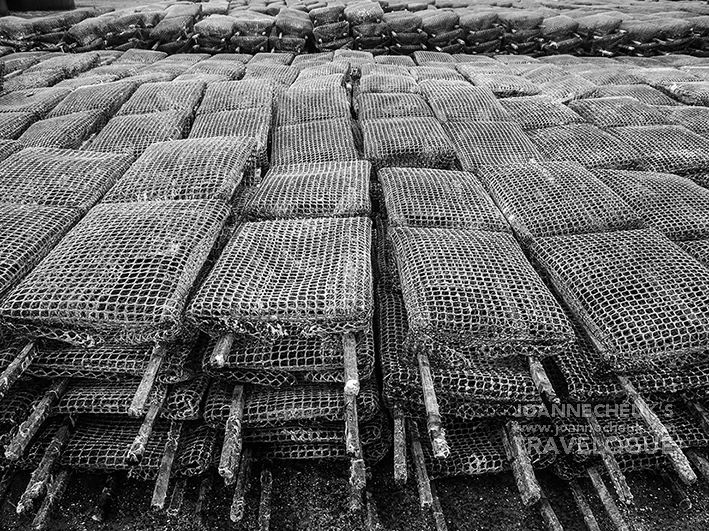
[
  {"x": 417, "y": 197},
  {"x": 642, "y": 93},
  {"x": 694, "y": 118},
  {"x": 586, "y": 144},
  {"x": 27, "y": 233},
  {"x": 64, "y": 132},
  {"x": 316, "y": 141},
  {"x": 699, "y": 249},
  {"x": 320, "y": 190},
  {"x": 552, "y": 198},
  {"x": 663, "y": 78},
  {"x": 417, "y": 142},
  {"x": 313, "y": 103},
  {"x": 285, "y": 277},
  {"x": 617, "y": 112},
  {"x": 538, "y": 112},
  {"x": 13, "y": 124},
  {"x": 481, "y": 143},
  {"x": 8, "y": 147},
  {"x": 166, "y": 96},
  {"x": 668, "y": 149},
  {"x": 675, "y": 206},
  {"x": 429, "y": 73},
  {"x": 394, "y": 105},
  {"x": 59, "y": 177},
  {"x": 280, "y": 74},
  {"x": 70, "y": 64},
  {"x": 273, "y": 58},
  {"x": 459, "y": 102},
  {"x": 505, "y": 86},
  {"x": 230, "y": 70},
  {"x": 143, "y": 57},
  {"x": 37, "y": 101},
  {"x": 475, "y": 289},
  {"x": 122, "y": 274},
  {"x": 567, "y": 88},
  {"x": 690, "y": 93},
  {"x": 32, "y": 80},
  {"x": 133, "y": 133},
  {"x": 106, "y": 97},
  {"x": 172, "y": 29},
  {"x": 384, "y": 83},
  {"x": 209, "y": 168},
  {"x": 640, "y": 298},
  {"x": 104, "y": 397}
]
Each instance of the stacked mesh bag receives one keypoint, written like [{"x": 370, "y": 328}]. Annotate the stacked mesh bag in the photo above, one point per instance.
[
  {"x": 292, "y": 32},
  {"x": 252, "y": 30},
  {"x": 482, "y": 32},
  {"x": 368, "y": 30},
  {"x": 174, "y": 32},
  {"x": 331, "y": 30}
]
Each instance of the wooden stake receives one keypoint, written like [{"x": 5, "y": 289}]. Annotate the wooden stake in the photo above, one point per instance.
[
  {"x": 669, "y": 447},
  {"x": 140, "y": 443},
  {"x": 583, "y": 506},
  {"x": 607, "y": 500},
  {"x": 548, "y": 515},
  {"x": 17, "y": 367},
  {"x": 105, "y": 500},
  {"x": 350, "y": 361},
  {"x": 40, "y": 476},
  {"x": 168, "y": 458},
  {"x": 55, "y": 491},
  {"x": 541, "y": 380},
  {"x": 401, "y": 471},
  {"x": 231, "y": 449},
  {"x": 521, "y": 465},
  {"x": 29, "y": 427},
  {"x": 609, "y": 461},
  {"x": 373, "y": 523},
  {"x": 422, "y": 481},
  {"x": 699, "y": 462},
  {"x": 205, "y": 488},
  {"x": 678, "y": 492},
  {"x": 439, "y": 518},
  {"x": 238, "y": 504},
  {"x": 433, "y": 416},
  {"x": 140, "y": 398},
  {"x": 264, "y": 510},
  {"x": 222, "y": 347},
  {"x": 178, "y": 496}
]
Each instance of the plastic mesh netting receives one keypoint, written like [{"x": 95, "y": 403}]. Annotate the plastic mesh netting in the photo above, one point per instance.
[
  {"x": 36, "y": 101},
  {"x": 474, "y": 289},
  {"x": 316, "y": 141},
  {"x": 209, "y": 168},
  {"x": 674, "y": 205},
  {"x": 298, "y": 106},
  {"x": 280, "y": 74},
  {"x": 417, "y": 142},
  {"x": 123, "y": 273},
  {"x": 418, "y": 197},
  {"x": 553, "y": 198},
  {"x": 235, "y": 95},
  {"x": 31, "y": 80},
  {"x": 102, "y": 397},
  {"x": 167, "y": 96},
  {"x": 638, "y": 295},
  {"x": 229, "y": 70},
  {"x": 145, "y": 57},
  {"x": 8, "y": 147},
  {"x": 699, "y": 249},
  {"x": 13, "y": 124},
  {"x": 290, "y": 276},
  {"x": 567, "y": 88},
  {"x": 617, "y": 111},
  {"x": 59, "y": 177},
  {"x": 642, "y": 93},
  {"x": 106, "y": 97},
  {"x": 490, "y": 143},
  {"x": 328, "y": 189},
  {"x": 387, "y": 82},
  {"x": 538, "y": 112},
  {"x": 65, "y": 132},
  {"x": 663, "y": 77},
  {"x": 459, "y": 102},
  {"x": 376, "y": 106},
  {"x": 690, "y": 93},
  {"x": 694, "y": 118},
  {"x": 505, "y": 86},
  {"x": 184, "y": 399},
  {"x": 586, "y": 144}
]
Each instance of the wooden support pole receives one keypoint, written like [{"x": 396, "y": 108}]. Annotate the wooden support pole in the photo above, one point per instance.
[
  {"x": 678, "y": 492},
  {"x": 609, "y": 461},
  {"x": 178, "y": 496},
  {"x": 238, "y": 504},
  {"x": 41, "y": 475},
  {"x": 222, "y": 347},
  {"x": 607, "y": 500},
  {"x": 372, "y": 522},
  {"x": 31, "y": 426},
  {"x": 105, "y": 500},
  {"x": 140, "y": 398},
  {"x": 521, "y": 464},
  {"x": 349, "y": 345},
  {"x": 17, "y": 367},
  {"x": 401, "y": 471},
  {"x": 669, "y": 447},
  {"x": 264, "y": 509},
  {"x": 541, "y": 381},
  {"x": 584, "y": 508},
  {"x": 701, "y": 413},
  {"x": 422, "y": 481},
  {"x": 205, "y": 489},
  {"x": 699, "y": 462},
  {"x": 439, "y": 519},
  {"x": 231, "y": 449},
  {"x": 55, "y": 491},
  {"x": 140, "y": 443},
  {"x": 551, "y": 521},
  {"x": 434, "y": 424},
  {"x": 168, "y": 458}
]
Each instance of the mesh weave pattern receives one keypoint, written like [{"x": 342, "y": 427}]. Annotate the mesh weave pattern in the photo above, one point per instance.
[
  {"x": 459, "y": 102},
  {"x": 13, "y": 124},
  {"x": 642, "y": 93},
  {"x": 298, "y": 106},
  {"x": 106, "y": 97},
  {"x": 166, "y": 96},
  {"x": 316, "y": 141},
  {"x": 37, "y": 101},
  {"x": 235, "y": 95},
  {"x": 617, "y": 112},
  {"x": 376, "y": 106},
  {"x": 64, "y": 132},
  {"x": 699, "y": 249},
  {"x": 538, "y": 112}
]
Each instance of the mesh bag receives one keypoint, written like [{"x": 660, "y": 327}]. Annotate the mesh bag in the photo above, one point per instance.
[
  {"x": 553, "y": 198},
  {"x": 699, "y": 249},
  {"x": 123, "y": 273},
  {"x": 292, "y": 361},
  {"x": 37, "y": 101},
  {"x": 568, "y": 88},
  {"x": 673, "y": 205},
  {"x": 387, "y": 275},
  {"x": 474, "y": 289},
  {"x": 101, "y": 397},
  {"x": 669, "y": 149},
  {"x": 642, "y": 93},
  {"x": 107, "y": 97},
  {"x": 65, "y": 132},
  {"x": 13, "y": 124},
  {"x": 27, "y": 234},
  {"x": 290, "y": 276},
  {"x": 32, "y": 80},
  {"x": 273, "y": 58},
  {"x": 699, "y": 71},
  {"x": 384, "y": 83},
  {"x": 168, "y": 96},
  {"x": 610, "y": 76},
  {"x": 281, "y": 74},
  {"x": 586, "y": 144},
  {"x": 209, "y": 168},
  {"x": 184, "y": 399},
  {"x": 172, "y": 29},
  {"x": 202, "y": 78},
  {"x": 541, "y": 74},
  {"x": 8, "y": 147},
  {"x": 664, "y": 77},
  {"x": 426, "y": 73},
  {"x": 694, "y": 118},
  {"x": 690, "y": 93},
  {"x": 316, "y": 141},
  {"x": 319, "y": 83},
  {"x": 424, "y": 57},
  {"x": 376, "y": 106},
  {"x": 133, "y": 134},
  {"x": 438, "y": 198},
  {"x": 538, "y": 112},
  {"x": 59, "y": 177},
  {"x": 229, "y": 70},
  {"x": 144, "y": 57},
  {"x": 398, "y": 60},
  {"x": 323, "y": 70},
  {"x": 616, "y": 112},
  {"x": 417, "y": 142},
  {"x": 456, "y": 102},
  {"x": 70, "y": 64},
  {"x": 638, "y": 296},
  {"x": 311, "y": 103},
  {"x": 14, "y": 406},
  {"x": 80, "y": 82},
  {"x": 490, "y": 143},
  {"x": 505, "y": 86},
  {"x": 329, "y": 189},
  {"x": 119, "y": 70}
]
